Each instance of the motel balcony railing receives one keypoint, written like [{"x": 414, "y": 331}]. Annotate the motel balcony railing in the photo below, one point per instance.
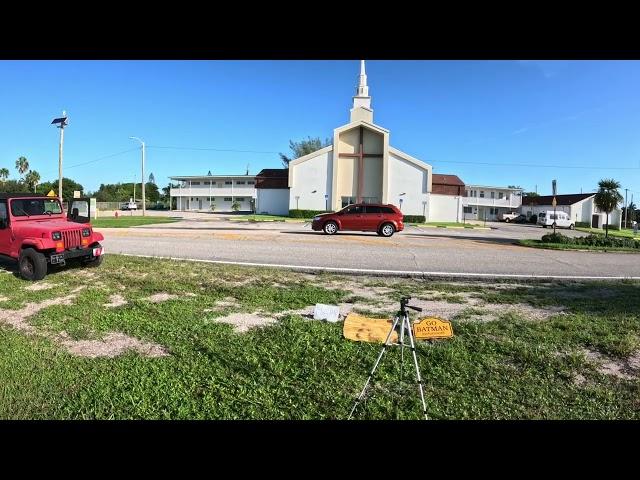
[{"x": 205, "y": 191}]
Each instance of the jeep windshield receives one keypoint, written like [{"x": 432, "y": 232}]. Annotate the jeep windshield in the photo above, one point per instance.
[{"x": 28, "y": 207}]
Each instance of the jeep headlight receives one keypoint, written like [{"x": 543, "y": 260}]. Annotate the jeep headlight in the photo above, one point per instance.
[
  {"x": 56, "y": 236},
  {"x": 86, "y": 232}
]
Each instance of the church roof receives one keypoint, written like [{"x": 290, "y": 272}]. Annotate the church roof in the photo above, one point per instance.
[
  {"x": 444, "y": 179},
  {"x": 565, "y": 200}
]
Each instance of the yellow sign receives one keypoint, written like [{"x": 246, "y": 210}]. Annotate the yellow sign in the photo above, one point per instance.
[
  {"x": 554, "y": 202},
  {"x": 432, "y": 327},
  {"x": 51, "y": 193},
  {"x": 364, "y": 329}
]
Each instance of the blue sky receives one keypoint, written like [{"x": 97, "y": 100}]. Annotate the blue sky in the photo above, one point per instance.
[{"x": 530, "y": 117}]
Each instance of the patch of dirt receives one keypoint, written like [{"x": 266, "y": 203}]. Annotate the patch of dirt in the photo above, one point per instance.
[
  {"x": 116, "y": 300},
  {"x": 624, "y": 369},
  {"x": 3, "y": 299},
  {"x": 579, "y": 379},
  {"x": 35, "y": 287},
  {"x": 242, "y": 322},
  {"x": 224, "y": 303},
  {"x": 112, "y": 345},
  {"x": 160, "y": 297}
]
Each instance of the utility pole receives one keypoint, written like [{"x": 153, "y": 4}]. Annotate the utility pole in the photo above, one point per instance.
[
  {"x": 61, "y": 123},
  {"x": 144, "y": 207},
  {"x": 626, "y": 209}
]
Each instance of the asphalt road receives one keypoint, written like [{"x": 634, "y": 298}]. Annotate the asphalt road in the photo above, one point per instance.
[{"x": 430, "y": 250}]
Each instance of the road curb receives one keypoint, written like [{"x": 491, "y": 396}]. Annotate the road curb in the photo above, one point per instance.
[{"x": 398, "y": 273}]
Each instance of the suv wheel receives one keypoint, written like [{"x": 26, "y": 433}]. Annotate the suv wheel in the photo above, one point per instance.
[
  {"x": 32, "y": 264},
  {"x": 507, "y": 220},
  {"x": 386, "y": 230},
  {"x": 330, "y": 228}
]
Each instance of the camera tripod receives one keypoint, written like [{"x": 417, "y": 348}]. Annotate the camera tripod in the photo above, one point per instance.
[{"x": 402, "y": 325}]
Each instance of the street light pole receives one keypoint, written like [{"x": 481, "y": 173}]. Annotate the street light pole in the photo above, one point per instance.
[
  {"x": 144, "y": 207},
  {"x": 626, "y": 209},
  {"x": 61, "y": 123}
]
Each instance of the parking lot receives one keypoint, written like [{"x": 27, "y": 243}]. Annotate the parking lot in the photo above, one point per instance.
[{"x": 418, "y": 250}]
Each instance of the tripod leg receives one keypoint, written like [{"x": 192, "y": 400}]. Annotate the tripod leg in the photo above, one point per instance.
[
  {"x": 375, "y": 366},
  {"x": 415, "y": 361}
]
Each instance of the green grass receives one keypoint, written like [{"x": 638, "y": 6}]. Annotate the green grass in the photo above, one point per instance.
[
  {"x": 561, "y": 246},
  {"x": 513, "y": 368},
  {"x": 265, "y": 218},
  {"x": 446, "y": 225},
  {"x": 612, "y": 233},
  {"x": 130, "y": 221}
]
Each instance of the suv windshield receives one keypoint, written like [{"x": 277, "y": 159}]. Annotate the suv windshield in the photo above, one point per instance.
[{"x": 26, "y": 207}]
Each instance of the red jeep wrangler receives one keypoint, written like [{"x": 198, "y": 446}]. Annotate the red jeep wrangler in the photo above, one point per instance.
[{"x": 35, "y": 231}]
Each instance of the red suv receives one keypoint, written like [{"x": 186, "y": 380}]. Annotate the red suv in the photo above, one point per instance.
[
  {"x": 35, "y": 231},
  {"x": 385, "y": 220}
]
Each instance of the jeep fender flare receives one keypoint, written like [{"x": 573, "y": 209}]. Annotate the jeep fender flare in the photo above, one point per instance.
[
  {"x": 98, "y": 237},
  {"x": 34, "y": 243}
]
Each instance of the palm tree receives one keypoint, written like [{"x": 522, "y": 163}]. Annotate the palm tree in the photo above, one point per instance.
[
  {"x": 32, "y": 178},
  {"x": 607, "y": 198},
  {"x": 22, "y": 165},
  {"x": 4, "y": 174}
]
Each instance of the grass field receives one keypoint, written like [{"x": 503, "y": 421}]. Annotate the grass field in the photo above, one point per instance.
[
  {"x": 265, "y": 218},
  {"x": 560, "y": 246},
  {"x": 542, "y": 350},
  {"x": 446, "y": 225},
  {"x": 130, "y": 221},
  {"x": 613, "y": 233}
]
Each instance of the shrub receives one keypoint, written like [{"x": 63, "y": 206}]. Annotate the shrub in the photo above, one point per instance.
[
  {"x": 557, "y": 238},
  {"x": 414, "y": 219},
  {"x": 583, "y": 224},
  {"x": 612, "y": 227},
  {"x": 533, "y": 218},
  {"x": 305, "y": 213},
  {"x": 592, "y": 240},
  {"x": 235, "y": 206}
]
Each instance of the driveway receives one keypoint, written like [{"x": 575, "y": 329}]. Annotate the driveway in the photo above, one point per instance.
[{"x": 417, "y": 249}]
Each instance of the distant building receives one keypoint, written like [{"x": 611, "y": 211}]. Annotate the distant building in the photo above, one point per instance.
[
  {"x": 199, "y": 192},
  {"x": 580, "y": 207},
  {"x": 486, "y": 203},
  {"x": 272, "y": 187}
]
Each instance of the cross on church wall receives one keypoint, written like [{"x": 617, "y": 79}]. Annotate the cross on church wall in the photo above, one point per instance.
[{"x": 360, "y": 155}]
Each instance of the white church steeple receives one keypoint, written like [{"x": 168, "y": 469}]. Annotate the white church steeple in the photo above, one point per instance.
[{"x": 362, "y": 101}]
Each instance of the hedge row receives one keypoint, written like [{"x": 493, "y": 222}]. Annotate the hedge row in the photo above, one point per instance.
[
  {"x": 305, "y": 213},
  {"x": 583, "y": 224},
  {"x": 414, "y": 219},
  {"x": 592, "y": 240}
]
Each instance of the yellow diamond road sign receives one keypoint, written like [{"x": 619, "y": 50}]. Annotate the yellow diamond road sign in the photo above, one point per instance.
[{"x": 51, "y": 193}]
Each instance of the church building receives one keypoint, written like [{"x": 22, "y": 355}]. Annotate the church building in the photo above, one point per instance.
[{"x": 360, "y": 166}]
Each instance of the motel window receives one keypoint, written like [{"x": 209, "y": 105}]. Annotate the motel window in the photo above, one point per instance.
[
  {"x": 481, "y": 193},
  {"x": 241, "y": 182},
  {"x": 227, "y": 199},
  {"x": 251, "y": 182},
  {"x": 207, "y": 183},
  {"x": 466, "y": 193},
  {"x": 500, "y": 195},
  {"x": 468, "y": 210},
  {"x": 240, "y": 199},
  {"x": 493, "y": 194},
  {"x": 195, "y": 183},
  {"x": 228, "y": 182}
]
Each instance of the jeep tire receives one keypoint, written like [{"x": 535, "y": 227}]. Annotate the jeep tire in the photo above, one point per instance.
[
  {"x": 32, "y": 264},
  {"x": 92, "y": 262}
]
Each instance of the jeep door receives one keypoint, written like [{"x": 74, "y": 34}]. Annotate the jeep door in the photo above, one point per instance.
[
  {"x": 79, "y": 210},
  {"x": 5, "y": 230}
]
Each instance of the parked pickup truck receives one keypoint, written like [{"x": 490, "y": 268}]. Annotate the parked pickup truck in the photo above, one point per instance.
[
  {"x": 508, "y": 217},
  {"x": 35, "y": 231}
]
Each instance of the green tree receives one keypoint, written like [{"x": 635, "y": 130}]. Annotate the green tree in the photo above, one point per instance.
[
  {"x": 4, "y": 175},
  {"x": 631, "y": 208},
  {"x": 68, "y": 187},
  {"x": 607, "y": 198},
  {"x": 302, "y": 148},
  {"x": 32, "y": 179},
  {"x": 22, "y": 165},
  {"x": 530, "y": 194},
  {"x": 152, "y": 178}
]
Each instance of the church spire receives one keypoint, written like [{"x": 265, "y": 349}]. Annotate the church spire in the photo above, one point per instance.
[{"x": 362, "y": 101}]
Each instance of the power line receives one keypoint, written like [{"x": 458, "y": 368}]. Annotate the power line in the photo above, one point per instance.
[
  {"x": 211, "y": 149},
  {"x": 99, "y": 159}
]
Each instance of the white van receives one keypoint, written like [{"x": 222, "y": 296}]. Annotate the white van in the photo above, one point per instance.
[{"x": 561, "y": 219}]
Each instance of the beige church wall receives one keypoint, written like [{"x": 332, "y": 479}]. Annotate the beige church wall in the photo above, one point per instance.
[
  {"x": 372, "y": 178},
  {"x": 443, "y": 208},
  {"x": 349, "y": 141},
  {"x": 313, "y": 175},
  {"x": 347, "y": 178},
  {"x": 407, "y": 178}
]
